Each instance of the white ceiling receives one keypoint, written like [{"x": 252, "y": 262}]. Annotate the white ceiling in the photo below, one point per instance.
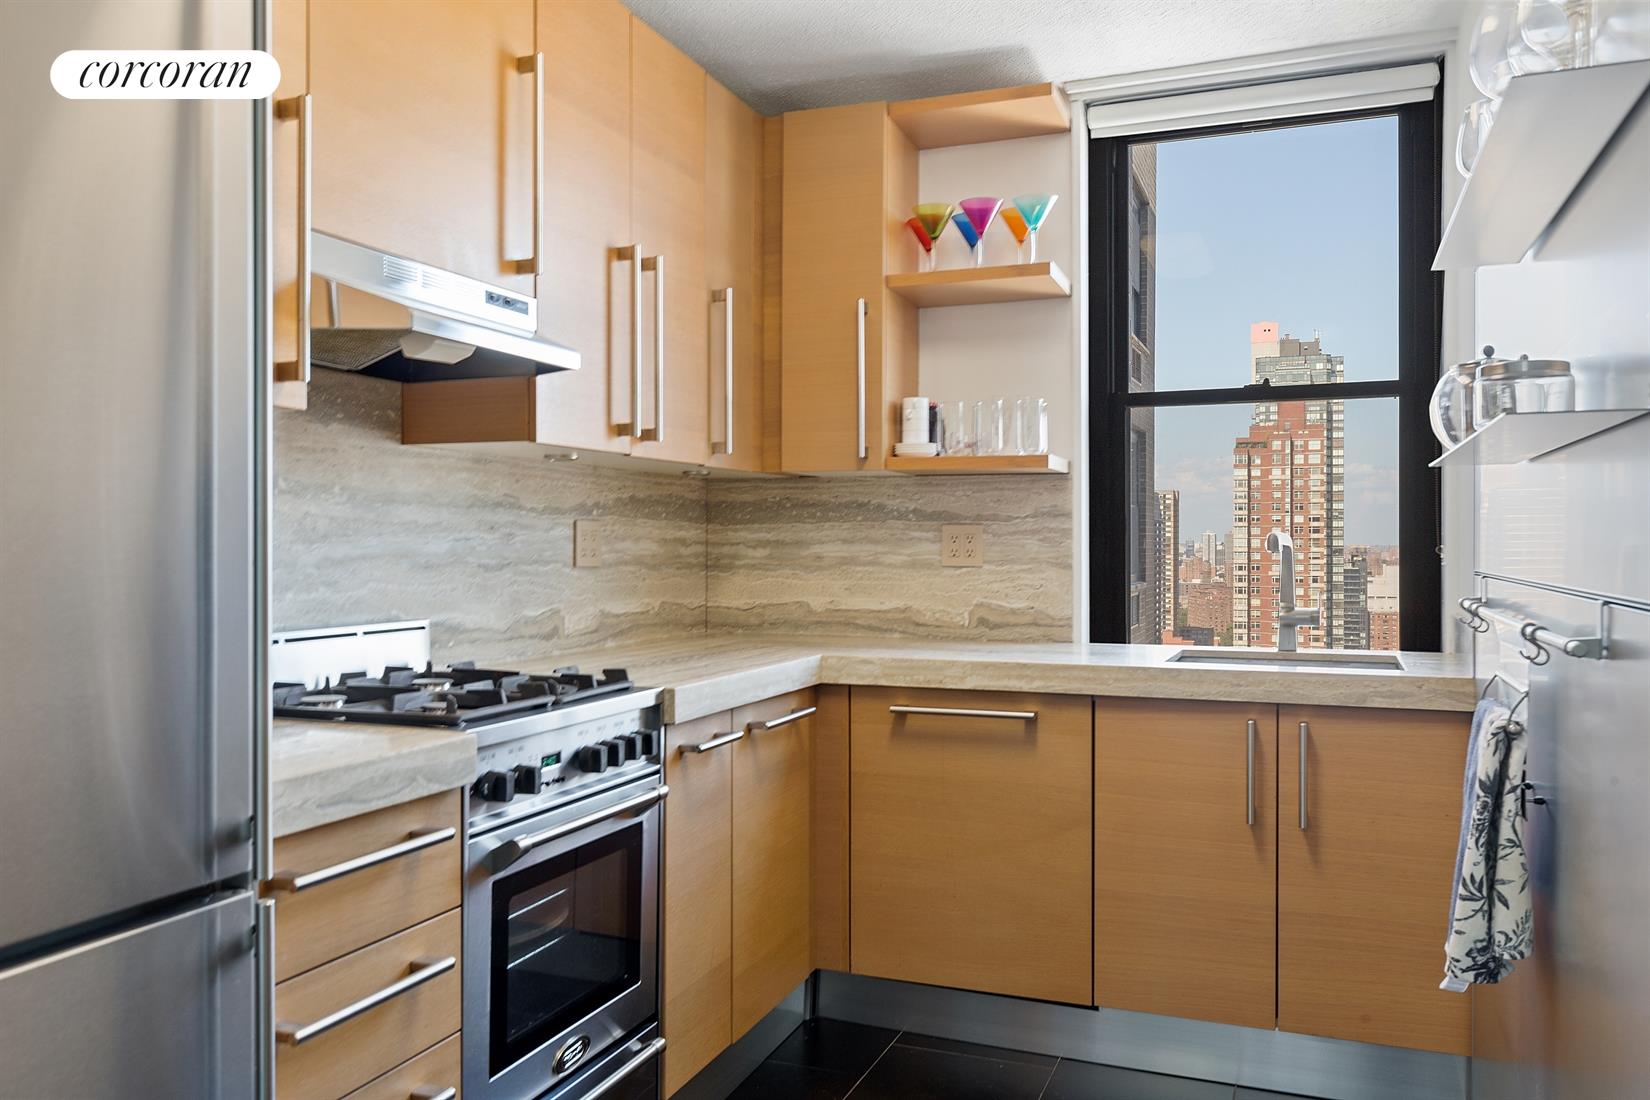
[{"x": 781, "y": 55}]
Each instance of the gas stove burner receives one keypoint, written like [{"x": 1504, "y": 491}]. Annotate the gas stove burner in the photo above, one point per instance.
[
  {"x": 324, "y": 702},
  {"x": 431, "y": 683},
  {"x": 438, "y": 704},
  {"x": 459, "y": 695}
]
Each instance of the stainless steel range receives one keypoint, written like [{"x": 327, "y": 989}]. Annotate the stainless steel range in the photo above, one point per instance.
[{"x": 562, "y": 852}]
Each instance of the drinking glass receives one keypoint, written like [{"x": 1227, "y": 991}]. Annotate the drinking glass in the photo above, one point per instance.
[
  {"x": 1469, "y": 139},
  {"x": 929, "y": 225},
  {"x": 1033, "y": 419},
  {"x": 1016, "y": 223},
  {"x": 1034, "y": 208},
  {"x": 953, "y": 428},
  {"x": 979, "y": 212},
  {"x": 982, "y": 428}
]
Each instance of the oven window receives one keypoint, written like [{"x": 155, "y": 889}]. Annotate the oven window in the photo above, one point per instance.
[{"x": 567, "y": 938}]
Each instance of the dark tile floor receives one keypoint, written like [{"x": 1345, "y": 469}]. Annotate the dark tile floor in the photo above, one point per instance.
[{"x": 831, "y": 1060}]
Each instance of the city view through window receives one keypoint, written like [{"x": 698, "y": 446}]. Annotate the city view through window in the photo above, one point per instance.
[{"x": 1264, "y": 258}]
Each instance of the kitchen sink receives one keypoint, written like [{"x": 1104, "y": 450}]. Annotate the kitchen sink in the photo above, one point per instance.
[{"x": 1312, "y": 658}]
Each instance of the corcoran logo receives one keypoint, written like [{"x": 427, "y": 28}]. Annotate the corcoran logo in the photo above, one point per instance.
[{"x": 165, "y": 74}]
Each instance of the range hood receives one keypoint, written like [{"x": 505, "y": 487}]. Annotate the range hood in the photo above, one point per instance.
[{"x": 397, "y": 318}]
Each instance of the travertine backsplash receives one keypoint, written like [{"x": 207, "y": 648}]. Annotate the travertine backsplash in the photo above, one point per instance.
[
  {"x": 862, "y": 556},
  {"x": 480, "y": 540}
]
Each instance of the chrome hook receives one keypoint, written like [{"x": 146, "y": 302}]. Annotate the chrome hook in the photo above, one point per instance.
[
  {"x": 1541, "y": 655},
  {"x": 1474, "y": 621}
]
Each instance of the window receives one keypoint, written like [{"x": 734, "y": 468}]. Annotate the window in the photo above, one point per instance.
[{"x": 1266, "y": 334}]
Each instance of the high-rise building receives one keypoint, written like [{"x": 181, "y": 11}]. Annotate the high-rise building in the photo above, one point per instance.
[
  {"x": 1355, "y": 598},
  {"x": 1146, "y": 615},
  {"x": 1383, "y": 606},
  {"x": 1168, "y": 512},
  {"x": 1300, "y": 448},
  {"x": 1207, "y": 547}
]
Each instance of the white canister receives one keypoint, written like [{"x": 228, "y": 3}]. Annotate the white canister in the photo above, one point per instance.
[{"x": 914, "y": 420}]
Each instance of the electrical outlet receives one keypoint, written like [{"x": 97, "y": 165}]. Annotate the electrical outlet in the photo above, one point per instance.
[
  {"x": 962, "y": 544},
  {"x": 589, "y": 542}
]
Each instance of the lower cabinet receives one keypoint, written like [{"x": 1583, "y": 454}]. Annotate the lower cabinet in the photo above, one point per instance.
[
  {"x": 1186, "y": 875},
  {"x": 737, "y": 874},
  {"x": 1369, "y": 817},
  {"x": 971, "y": 827}
]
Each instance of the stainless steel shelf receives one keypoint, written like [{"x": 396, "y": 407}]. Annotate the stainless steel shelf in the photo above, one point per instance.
[
  {"x": 1519, "y": 437},
  {"x": 1548, "y": 131}
]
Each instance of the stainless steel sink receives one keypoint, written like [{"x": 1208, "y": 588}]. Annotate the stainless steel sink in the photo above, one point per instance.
[{"x": 1312, "y": 658}]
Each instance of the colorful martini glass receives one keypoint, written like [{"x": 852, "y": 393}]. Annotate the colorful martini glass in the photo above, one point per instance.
[
  {"x": 980, "y": 212},
  {"x": 1034, "y": 208},
  {"x": 1017, "y": 226},
  {"x": 927, "y": 226}
]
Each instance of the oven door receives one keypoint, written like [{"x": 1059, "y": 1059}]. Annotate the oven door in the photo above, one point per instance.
[{"x": 561, "y": 933}]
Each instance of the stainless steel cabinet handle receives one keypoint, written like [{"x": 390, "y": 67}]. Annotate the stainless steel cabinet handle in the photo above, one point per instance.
[
  {"x": 656, "y": 434},
  {"x": 264, "y": 944},
  {"x": 300, "y": 108},
  {"x": 632, "y": 254},
  {"x": 1302, "y": 783},
  {"x": 423, "y": 970},
  {"x": 292, "y": 882},
  {"x": 715, "y": 742},
  {"x": 512, "y": 850},
  {"x": 775, "y": 723},
  {"x": 636, "y": 1063},
  {"x": 434, "y": 1093},
  {"x": 1249, "y": 777},
  {"x": 725, "y": 296},
  {"x": 963, "y": 712},
  {"x": 534, "y": 264},
  {"x": 859, "y": 321}
]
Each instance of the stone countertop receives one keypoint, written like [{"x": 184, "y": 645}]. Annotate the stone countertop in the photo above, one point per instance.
[{"x": 327, "y": 771}]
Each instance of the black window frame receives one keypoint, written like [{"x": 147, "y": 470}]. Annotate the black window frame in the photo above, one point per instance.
[{"x": 1420, "y": 312}]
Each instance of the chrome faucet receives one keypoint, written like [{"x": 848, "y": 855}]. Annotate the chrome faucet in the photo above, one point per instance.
[{"x": 1289, "y": 619}]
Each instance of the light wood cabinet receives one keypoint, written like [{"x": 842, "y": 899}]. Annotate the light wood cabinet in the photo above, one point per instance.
[
  {"x": 424, "y": 1077},
  {"x": 667, "y": 208},
  {"x": 772, "y": 883},
  {"x": 849, "y": 173},
  {"x": 424, "y": 131},
  {"x": 1363, "y": 884},
  {"x": 828, "y": 813},
  {"x": 698, "y": 907},
  {"x": 972, "y": 857},
  {"x": 1185, "y": 907},
  {"x": 733, "y": 269}
]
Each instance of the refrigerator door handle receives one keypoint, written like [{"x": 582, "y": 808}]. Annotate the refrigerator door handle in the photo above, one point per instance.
[{"x": 264, "y": 945}]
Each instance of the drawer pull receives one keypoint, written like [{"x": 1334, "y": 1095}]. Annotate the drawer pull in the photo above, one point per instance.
[
  {"x": 626, "y": 1070},
  {"x": 963, "y": 712},
  {"x": 1301, "y": 787},
  {"x": 292, "y": 882},
  {"x": 434, "y": 1093},
  {"x": 773, "y": 724},
  {"x": 423, "y": 970},
  {"x": 511, "y": 850},
  {"x": 715, "y": 742}
]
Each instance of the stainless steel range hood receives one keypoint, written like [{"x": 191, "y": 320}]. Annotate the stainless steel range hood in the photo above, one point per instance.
[{"x": 397, "y": 318}]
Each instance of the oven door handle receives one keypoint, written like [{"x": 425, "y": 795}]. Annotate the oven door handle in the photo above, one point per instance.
[
  {"x": 639, "y": 1060},
  {"x": 511, "y": 850}
]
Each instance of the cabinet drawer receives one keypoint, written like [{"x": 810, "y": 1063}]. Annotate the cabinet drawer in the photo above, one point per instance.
[
  {"x": 389, "y": 1027},
  {"x": 328, "y": 917},
  {"x": 426, "y": 1076}
]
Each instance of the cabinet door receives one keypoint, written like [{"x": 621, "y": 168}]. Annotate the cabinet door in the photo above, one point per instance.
[
  {"x": 972, "y": 857},
  {"x": 289, "y": 42},
  {"x": 733, "y": 269},
  {"x": 424, "y": 131},
  {"x": 667, "y": 112},
  {"x": 698, "y": 893},
  {"x": 832, "y": 258},
  {"x": 771, "y": 880},
  {"x": 585, "y": 294},
  {"x": 1185, "y": 859},
  {"x": 1365, "y": 856}
]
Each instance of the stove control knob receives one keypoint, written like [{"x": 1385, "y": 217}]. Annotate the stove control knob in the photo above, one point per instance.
[
  {"x": 593, "y": 758},
  {"x": 615, "y": 752},
  {"x": 528, "y": 778},
  {"x": 649, "y": 741},
  {"x": 495, "y": 786},
  {"x": 632, "y": 745}
]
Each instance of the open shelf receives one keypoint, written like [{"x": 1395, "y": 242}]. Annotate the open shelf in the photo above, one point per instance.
[
  {"x": 1548, "y": 131},
  {"x": 1519, "y": 437},
  {"x": 998, "y": 114},
  {"x": 973, "y": 286},
  {"x": 979, "y": 464}
]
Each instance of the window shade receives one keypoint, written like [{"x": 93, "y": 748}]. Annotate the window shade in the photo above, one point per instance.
[{"x": 1261, "y": 102}]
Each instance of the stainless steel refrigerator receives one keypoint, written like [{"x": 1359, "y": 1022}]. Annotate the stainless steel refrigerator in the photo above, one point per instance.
[{"x": 130, "y": 467}]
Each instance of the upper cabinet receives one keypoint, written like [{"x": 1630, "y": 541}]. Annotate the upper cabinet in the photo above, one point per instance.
[
  {"x": 849, "y": 346},
  {"x": 424, "y": 131}
]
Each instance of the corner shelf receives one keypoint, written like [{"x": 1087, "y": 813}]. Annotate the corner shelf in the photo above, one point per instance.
[
  {"x": 1519, "y": 437},
  {"x": 999, "y": 114},
  {"x": 979, "y": 464},
  {"x": 1548, "y": 131},
  {"x": 973, "y": 286}
]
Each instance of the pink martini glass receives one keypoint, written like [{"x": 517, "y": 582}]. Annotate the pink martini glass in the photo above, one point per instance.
[
  {"x": 930, "y": 222},
  {"x": 1034, "y": 208},
  {"x": 980, "y": 211}
]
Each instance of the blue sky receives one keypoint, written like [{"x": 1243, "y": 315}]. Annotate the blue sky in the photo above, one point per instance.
[{"x": 1297, "y": 226}]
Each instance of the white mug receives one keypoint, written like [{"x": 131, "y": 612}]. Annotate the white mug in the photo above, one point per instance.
[{"x": 914, "y": 420}]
